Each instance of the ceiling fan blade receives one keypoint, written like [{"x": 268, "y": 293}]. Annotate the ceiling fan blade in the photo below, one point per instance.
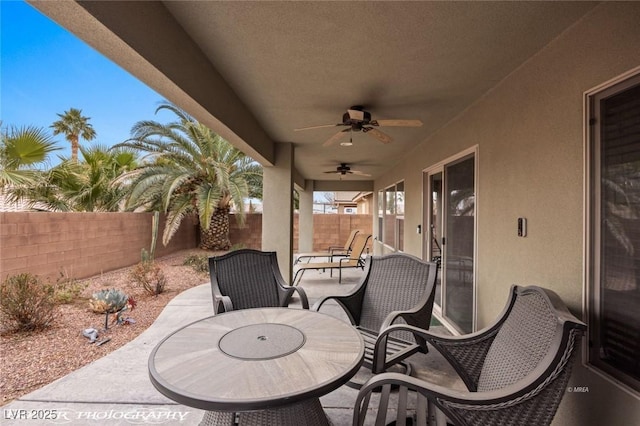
[
  {"x": 335, "y": 138},
  {"x": 331, "y": 171},
  {"x": 381, "y": 136},
  {"x": 359, "y": 173},
  {"x": 318, "y": 127},
  {"x": 396, "y": 123}
]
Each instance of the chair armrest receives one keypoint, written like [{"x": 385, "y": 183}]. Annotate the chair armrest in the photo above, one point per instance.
[
  {"x": 223, "y": 304},
  {"x": 429, "y": 395},
  {"x": 350, "y": 303},
  {"x": 466, "y": 353},
  {"x": 303, "y": 296},
  {"x": 338, "y": 251}
]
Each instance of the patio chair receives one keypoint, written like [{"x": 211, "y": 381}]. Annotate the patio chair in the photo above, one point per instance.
[
  {"x": 395, "y": 287},
  {"x": 353, "y": 260},
  {"x": 248, "y": 278},
  {"x": 331, "y": 250},
  {"x": 516, "y": 371}
]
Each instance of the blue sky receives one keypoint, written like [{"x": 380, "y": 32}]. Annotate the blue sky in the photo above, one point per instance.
[{"x": 45, "y": 70}]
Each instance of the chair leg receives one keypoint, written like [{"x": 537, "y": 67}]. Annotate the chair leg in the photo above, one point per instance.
[{"x": 435, "y": 417}]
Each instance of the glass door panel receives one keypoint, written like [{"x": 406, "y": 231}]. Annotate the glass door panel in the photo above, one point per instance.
[
  {"x": 435, "y": 232},
  {"x": 458, "y": 243}
]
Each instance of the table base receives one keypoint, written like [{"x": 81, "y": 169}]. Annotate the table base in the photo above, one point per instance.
[{"x": 306, "y": 413}]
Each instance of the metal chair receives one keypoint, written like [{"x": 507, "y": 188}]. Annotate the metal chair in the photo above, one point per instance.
[
  {"x": 331, "y": 250},
  {"x": 247, "y": 278},
  {"x": 516, "y": 371},
  {"x": 395, "y": 287},
  {"x": 353, "y": 260}
]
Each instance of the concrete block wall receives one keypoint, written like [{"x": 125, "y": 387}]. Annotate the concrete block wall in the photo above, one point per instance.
[
  {"x": 334, "y": 229},
  {"x": 328, "y": 230},
  {"x": 248, "y": 235},
  {"x": 80, "y": 245}
]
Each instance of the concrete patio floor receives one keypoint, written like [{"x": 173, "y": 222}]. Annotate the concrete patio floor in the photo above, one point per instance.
[{"x": 115, "y": 390}]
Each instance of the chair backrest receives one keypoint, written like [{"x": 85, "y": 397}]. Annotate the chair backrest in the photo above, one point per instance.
[
  {"x": 248, "y": 277},
  {"x": 352, "y": 236},
  {"x": 528, "y": 334},
  {"x": 396, "y": 282},
  {"x": 359, "y": 245}
]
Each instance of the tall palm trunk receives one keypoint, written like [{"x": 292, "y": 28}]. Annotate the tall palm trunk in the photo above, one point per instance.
[
  {"x": 217, "y": 236},
  {"x": 74, "y": 147}
]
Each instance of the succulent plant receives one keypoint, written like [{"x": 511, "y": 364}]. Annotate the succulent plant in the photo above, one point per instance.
[{"x": 108, "y": 301}]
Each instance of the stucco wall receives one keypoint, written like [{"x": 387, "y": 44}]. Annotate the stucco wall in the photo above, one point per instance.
[{"x": 529, "y": 135}]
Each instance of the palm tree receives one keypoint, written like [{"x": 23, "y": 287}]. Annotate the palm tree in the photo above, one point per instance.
[
  {"x": 74, "y": 126},
  {"x": 21, "y": 151},
  {"x": 89, "y": 185},
  {"x": 190, "y": 170}
]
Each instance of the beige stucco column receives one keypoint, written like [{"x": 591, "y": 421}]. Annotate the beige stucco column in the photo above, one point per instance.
[
  {"x": 277, "y": 208},
  {"x": 305, "y": 218}
]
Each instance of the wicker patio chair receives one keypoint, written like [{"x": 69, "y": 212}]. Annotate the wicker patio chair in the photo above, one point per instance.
[
  {"x": 353, "y": 260},
  {"x": 247, "y": 278},
  {"x": 395, "y": 287},
  {"x": 331, "y": 250},
  {"x": 516, "y": 370}
]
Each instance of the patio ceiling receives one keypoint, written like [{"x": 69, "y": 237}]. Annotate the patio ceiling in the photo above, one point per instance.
[{"x": 254, "y": 71}]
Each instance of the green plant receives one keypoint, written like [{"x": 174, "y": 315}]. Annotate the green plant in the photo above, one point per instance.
[
  {"x": 145, "y": 257},
  {"x": 192, "y": 171},
  {"x": 199, "y": 262},
  {"x": 67, "y": 289},
  {"x": 26, "y": 302},
  {"x": 149, "y": 276},
  {"x": 155, "y": 223},
  {"x": 108, "y": 301}
]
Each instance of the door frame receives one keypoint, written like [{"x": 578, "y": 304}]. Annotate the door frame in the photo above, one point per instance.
[{"x": 426, "y": 235}]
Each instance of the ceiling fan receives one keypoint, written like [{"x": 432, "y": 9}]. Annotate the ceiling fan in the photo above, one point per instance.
[
  {"x": 344, "y": 169},
  {"x": 357, "y": 119}
]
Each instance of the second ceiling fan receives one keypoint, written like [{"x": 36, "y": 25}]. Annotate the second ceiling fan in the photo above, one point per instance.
[{"x": 356, "y": 119}]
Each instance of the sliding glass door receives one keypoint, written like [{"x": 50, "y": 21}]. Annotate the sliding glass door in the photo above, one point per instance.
[{"x": 450, "y": 238}]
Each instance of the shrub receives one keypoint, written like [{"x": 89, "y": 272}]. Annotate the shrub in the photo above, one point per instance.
[
  {"x": 67, "y": 289},
  {"x": 199, "y": 262},
  {"x": 26, "y": 302},
  {"x": 150, "y": 277}
]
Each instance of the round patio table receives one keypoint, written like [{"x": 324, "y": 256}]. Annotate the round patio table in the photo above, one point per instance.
[{"x": 260, "y": 366}]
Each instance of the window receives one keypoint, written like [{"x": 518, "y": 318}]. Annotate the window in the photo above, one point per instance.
[
  {"x": 391, "y": 216},
  {"x": 614, "y": 225},
  {"x": 380, "y": 215},
  {"x": 400, "y": 216}
]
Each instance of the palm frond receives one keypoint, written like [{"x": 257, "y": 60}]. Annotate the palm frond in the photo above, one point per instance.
[{"x": 208, "y": 199}]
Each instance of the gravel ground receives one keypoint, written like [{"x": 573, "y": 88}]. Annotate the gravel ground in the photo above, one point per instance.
[{"x": 29, "y": 361}]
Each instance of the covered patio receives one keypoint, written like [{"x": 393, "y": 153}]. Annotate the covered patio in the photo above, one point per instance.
[{"x": 505, "y": 93}]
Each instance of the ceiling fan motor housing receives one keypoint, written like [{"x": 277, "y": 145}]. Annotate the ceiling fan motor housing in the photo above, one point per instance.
[
  {"x": 343, "y": 168},
  {"x": 356, "y": 117}
]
